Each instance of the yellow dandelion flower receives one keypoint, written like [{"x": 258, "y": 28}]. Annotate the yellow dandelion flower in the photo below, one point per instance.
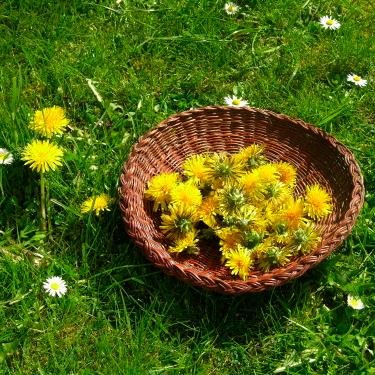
[
  {"x": 208, "y": 209},
  {"x": 242, "y": 218},
  {"x": 49, "y": 121},
  {"x": 96, "y": 203},
  {"x": 251, "y": 156},
  {"x": 292, "y": 213},
  {"x": 159, "y": 189},
  {"x": 195, "y": 168},
  {"x": 305, "y": 239},
  {"x": 223, "y": 169},
  {"x": 179, "y": 221},
  {"x": 42, "y": 156},
  {"x": 317, "y": 202},
  {"x": 267, "y": 173},
  {"x": 186, "y": 193},
  {"x": 229, "y": 239},
  {"x": 287, "y": 173},
  {"x": 186, "y": 243},
  {"x": 231, "y": 198},
  {"x": 240, "y": 262},
  {"x": 275, "y": 194},
  {"x": 251, "y": 184},
  {"x": 270, "y": 256}
]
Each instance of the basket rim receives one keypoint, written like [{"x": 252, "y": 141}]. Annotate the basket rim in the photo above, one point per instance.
[{"x": 274, "y": 277}]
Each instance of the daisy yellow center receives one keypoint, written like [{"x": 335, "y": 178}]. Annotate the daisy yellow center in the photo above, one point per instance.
[
  {"x": 330, "y": 22},
  {"x": 3, "y": 156},
  {"x": 55, "y": 286},
  {"x": 357, "y": 78},
  {"x": 236, "y": 101}
]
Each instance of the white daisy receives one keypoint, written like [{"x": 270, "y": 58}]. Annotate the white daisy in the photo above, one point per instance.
[
  {"x": 5, "y": 156},
  {"x": 355, "y": 303},
  {"x": 55, "y": 286},
  {"x": 329, "y": 23},
  {"x": 235, "y": 102},
  {"x": 357, "y": 80},
  {"x": 231, "y": 8}
]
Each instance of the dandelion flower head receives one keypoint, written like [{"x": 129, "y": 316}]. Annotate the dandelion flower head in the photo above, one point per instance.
[
  {"x": 252, "y": 156},
  {"x": 287, "y": 173},
  {"x": 49, "y": 121},
  {"x": 357, "y": 80},
  {"x": 42, "y": 156},
  {"x": 159, "y": 189},
  {"x": 329, "y": 23},
  {"x": 6, "y": 157},
  {"x": 186, "y": 193},
  {"x": 55, "y": 286},
  {"x": 240, "y": 262},
  {"x": 97, "y": 204},
  {"x": 186, "y": 243},
  {"x": 317, "y": 202},
  {"x": 195, "y": 168},
  {"x": 233, "y": 101},
  {"x": 231, "y": 8},
  {"x": 355, "y": 303}
]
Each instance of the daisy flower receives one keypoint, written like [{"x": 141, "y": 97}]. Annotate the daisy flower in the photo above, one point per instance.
[
  {"x": 240, "y": 262},
  {"x": 55, "y": 286},
  {"x": 49, "y": 121},
  {"x": 329, "y": 23},
  {"x": 42, "y": 156},
  {"x": 235, "y": 102},
  {"x": 357, "y": 80},
  {"x": 231, "y": 8},
  {"x": 97, "y": 203},
  {"x": 5, "y": 156},
  {"x": 355, "y": 303},
  {"x": 317, "y": 202},
  {"x": 159, "y": 189}
]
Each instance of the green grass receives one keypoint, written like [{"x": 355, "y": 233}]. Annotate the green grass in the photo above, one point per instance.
[{"x": 152, "y": 59}]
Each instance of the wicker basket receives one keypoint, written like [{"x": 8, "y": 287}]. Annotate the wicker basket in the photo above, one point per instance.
[{"x": 319, "y": 158}]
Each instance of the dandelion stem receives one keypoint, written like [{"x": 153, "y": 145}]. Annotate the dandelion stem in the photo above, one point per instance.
[{"x": 43, "y": 212}]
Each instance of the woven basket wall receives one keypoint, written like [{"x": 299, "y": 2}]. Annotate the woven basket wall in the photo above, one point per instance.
[{"x": 318, "y": 157}]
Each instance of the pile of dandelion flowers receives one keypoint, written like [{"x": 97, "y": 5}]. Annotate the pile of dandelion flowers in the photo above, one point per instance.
[
  {"x": 96, "y": 203},
  {"x": 49, "y": 121},
  {"x": 42, "y": 156}
]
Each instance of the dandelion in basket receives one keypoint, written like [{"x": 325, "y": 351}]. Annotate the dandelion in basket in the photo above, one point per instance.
[
  {"x": 233, "y": 101},
  {"x": 355, "y": 303},
  {"x": 231, "y": 8},
  {"x": 96, "y": 203},
  {"x": 317, "y": 202},
  {"x": 329, "y": 23},
  {"x": 6, "y": 157},
  {"x": 55, "y": 286},
  {"x": 239, "y": 261},
  {"x": 42, "y": 156},
  {"x": 357, "y": 80},
  {"x": 49, "y": 121}
]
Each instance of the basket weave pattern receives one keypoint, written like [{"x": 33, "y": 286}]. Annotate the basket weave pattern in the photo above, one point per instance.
[{"x": 318, "y": 157}]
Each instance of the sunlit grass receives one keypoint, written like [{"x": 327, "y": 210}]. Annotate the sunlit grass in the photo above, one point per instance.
[{"x": 147, "y": 60}]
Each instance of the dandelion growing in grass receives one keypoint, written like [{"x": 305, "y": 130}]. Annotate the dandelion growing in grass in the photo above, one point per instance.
[
  {"x": 355, "y": 303},
  {"x": 6, "y": 157},
  {"x": 235, "y": 102},
  {"x": 55, "y": 286},
  {"x": 231, "y": 8},
  {"x": 357, "y": 80},
  {"x": 329, "y": 23},
  {"x": 97, "y": 204},
  {"x": 42, "y": 156},
  {"x": 49, "y": 121}
]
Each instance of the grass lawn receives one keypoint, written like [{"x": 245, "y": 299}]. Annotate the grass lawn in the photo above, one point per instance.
[{"x": 147, "y": 60}]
